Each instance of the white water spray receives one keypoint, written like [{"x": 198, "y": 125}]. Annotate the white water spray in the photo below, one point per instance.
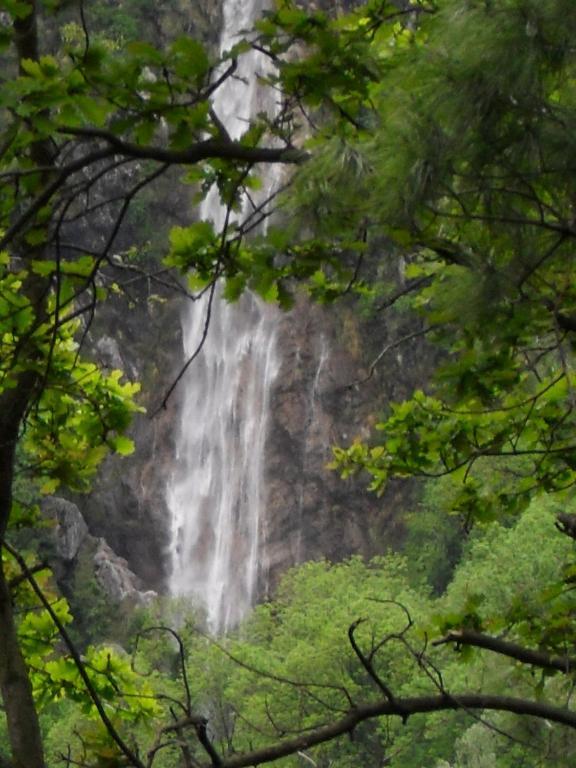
[{"x": 216, "y": 495}]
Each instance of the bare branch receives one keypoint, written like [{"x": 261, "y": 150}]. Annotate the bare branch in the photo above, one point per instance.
[
  {"x": 193, "y": 356},
  {"x": 182, "y": 657},
  {"x": 540, "y": 659},
  {"x": 50, "y": 190},
  {"x": 414, "y": 285},
  {"x": 389, "y": 347},
  {"x": 202, "y": 150},
  {"x": 280, "y": 678},
  {"x": 367, "y": 663},
  {"x": 403, "y": 708},
  {"x": 17, "y": 580}
]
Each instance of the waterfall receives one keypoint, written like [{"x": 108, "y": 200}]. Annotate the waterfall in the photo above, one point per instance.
[{"x": 216, "y": 495}]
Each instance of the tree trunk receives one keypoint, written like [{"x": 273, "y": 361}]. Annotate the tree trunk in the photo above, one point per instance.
[
  {"x": 15, "y": 687},
  {"x": 16, "y": 690}
]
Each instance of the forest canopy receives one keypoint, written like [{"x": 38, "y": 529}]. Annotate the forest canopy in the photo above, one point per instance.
[{"x": 436, "y": 136}]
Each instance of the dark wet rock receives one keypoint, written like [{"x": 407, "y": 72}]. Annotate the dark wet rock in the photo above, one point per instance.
[
  {"x": 68, "y": 529},
  {"x": 116, "y": 579}
]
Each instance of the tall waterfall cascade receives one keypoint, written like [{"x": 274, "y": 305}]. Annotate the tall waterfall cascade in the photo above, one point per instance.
[{"x": 216, "y": 495}]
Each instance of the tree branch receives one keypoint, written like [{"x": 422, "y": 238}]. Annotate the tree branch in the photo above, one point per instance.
[
  {"x": 401, "y": 708},
  {"x": 202, "y": 150},
  {"x": 540, "y": 659},
  {"x": 193, "y": 356},
  {"x": 21, "y": 578},
  {"x": 566, "y": 524},
  {"x": 389, "y": 347},
  {"x": 128, "y": 753},
  {"x": 367, "y": 664}
]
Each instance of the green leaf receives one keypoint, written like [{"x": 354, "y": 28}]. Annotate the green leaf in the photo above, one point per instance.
[
  {"x": 234, "y": 287},
  {"x": 145, "y": 52},
  {"x": 123, "y": 445},
  {"x": 43, "y": 268},
  {"x": 189, "y": 58}
]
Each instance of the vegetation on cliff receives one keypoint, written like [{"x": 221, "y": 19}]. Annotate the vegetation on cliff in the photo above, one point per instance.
[{"x": 440, "y": 134}]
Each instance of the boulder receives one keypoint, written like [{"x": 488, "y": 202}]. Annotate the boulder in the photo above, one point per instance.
[
  {"x": 70, "y": 529},
  {"x": 116, "y": 579}
]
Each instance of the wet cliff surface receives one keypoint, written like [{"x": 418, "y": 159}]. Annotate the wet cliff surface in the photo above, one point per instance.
[
  {"x": 326, "y": 391},
  {"x": 327, "y": 394},
  {"x": 127, "y": 504}
]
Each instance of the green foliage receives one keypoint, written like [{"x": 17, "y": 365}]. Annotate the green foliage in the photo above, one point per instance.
[
  {"x": 466, "y": 169},
  {"x": 291, "y": 666},
  {"x": 428, "y": 437},
  {"x": 341, "y": 62},
  {"x": 254, "y": 265},
  {"x": 434, "y": 540},
  {"x": 293, "y": 663},
  {"x": 522, "y": 596},
  {"x": 450, "y": 136}
]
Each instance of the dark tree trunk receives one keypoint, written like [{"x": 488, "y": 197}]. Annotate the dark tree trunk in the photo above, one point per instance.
[
  {"x": 15, "y": 688},
  {"x": 23, "y": 727}
]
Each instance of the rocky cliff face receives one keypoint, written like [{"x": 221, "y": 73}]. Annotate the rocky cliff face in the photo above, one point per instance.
[
  {"x": 138, "y": 330},
  {"x": 127, "y": 505},
  {"x": 326, "y": 393},
  {"x": 90, "y": 574}
]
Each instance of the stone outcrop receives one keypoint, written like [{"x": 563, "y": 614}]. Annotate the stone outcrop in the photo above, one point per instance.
[
  {"x": 140, "y": 335},
  {"x": 116, "y": 579},
  {"x": 78, "y": 558},
  {"x": 69, "y": 528}
]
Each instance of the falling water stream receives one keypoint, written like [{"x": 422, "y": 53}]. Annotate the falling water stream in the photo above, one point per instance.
[{"x": 216, "y": 495}]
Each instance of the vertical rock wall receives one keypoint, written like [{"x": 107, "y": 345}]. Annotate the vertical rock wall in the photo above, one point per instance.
[
  {"x": 138, "y": 330},
  {"x": 326, "y": 394}
]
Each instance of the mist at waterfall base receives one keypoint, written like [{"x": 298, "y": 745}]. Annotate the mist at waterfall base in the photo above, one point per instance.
[{"x": 216, "y": 495}]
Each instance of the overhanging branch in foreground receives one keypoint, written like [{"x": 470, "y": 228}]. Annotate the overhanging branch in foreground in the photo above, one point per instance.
[{"x": 401, "y": 708}]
